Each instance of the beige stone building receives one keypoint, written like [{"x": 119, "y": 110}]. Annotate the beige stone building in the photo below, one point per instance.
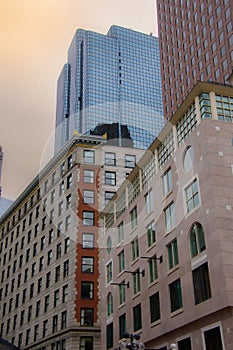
[
  {"x": 49, "y": 258},
  {"x": 167, "y": 270}
]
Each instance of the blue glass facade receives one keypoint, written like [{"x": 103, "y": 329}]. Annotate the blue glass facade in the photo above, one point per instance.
[{"x": 113, "y": 78}]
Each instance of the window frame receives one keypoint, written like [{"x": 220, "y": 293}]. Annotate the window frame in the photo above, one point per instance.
[
  {"x": 88, "y": 156},
  {"x": 110, "y": 160},
  {"x": 167, "y": 182},
  {"x": 193, "y": 197},
  {"x": 130, "y": 161},
  {"x": 88, "y": 196},
  {"x": 90, "y": 268},
  {"x": 169, "y": 217},
  {"x": 110, "y": 178}
]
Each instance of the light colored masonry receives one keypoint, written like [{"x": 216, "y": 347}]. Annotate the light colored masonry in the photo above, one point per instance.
[
  {"x": 167, "y": 272},
  {"x": 49, "y": 269}
]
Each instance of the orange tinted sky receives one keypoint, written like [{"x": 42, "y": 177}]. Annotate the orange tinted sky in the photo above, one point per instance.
[{"x": 34, "y": 39}]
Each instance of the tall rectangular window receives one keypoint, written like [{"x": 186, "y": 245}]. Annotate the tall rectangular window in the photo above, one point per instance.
[
  {"x": 108, "y": 196},
  {"x": 120, "y": 230},
  {"x": 213, "y": 339},
  {"x": 192, "y": 196},
  {"x": 130, "y": 161},
  {"x": 135, "y": 249},
  {"x": 67, "y": 245},
  {"x": 87, "y": 290},
  {"x": 136, "y": 281},
  {"x": 89, "y": 156},
  {"x": 122, "y": 326},
  {"x": 55, "y": 324},
  {"x": 110, "y": 178},
  {"x": 109, "y": 335},
  {"x": 63, "y": 319},
  {"x": 89, "y": 176},
  {"x": 45, "y": 327},
  {"x": 110, "y": 158},
  {"x": 36, "y": 332},
  {"x": 201, "y": 283},
  {"x": 121, "y": 261},
  {"x": 86, "y": 343},
  {"x": 149, "y": 202},
  {"x": 175, "y": 295},
  {"x": 109, "y": 272},
  {"x": 137, "y": 317},
  {"x": 88, "y": 218},
  {"x": 69, "y": 181},
  {"x": 172, "y": 250},
  {"x": 68, "y": 201},
  {"x": 154, "y": 307},
  {"x": 151, "y": 238},
  {"x": 67, "y": 223},
  {"x": 167, "y": 182},
  {"x": 60, "y": 208},
  {"x": 87, "y": 264},
  {"x": 88, "y": 241},
  {"x": 133, "y": 218},
  {"x": 46, "y": 303},
  {"x": 88, "y": 196},
  {"x": 169, "y": 213},
  {"x": 65, "y": 294},
  {"x": 87, "y": 317},
  {"x": 58, "y": 251},
  {"x": 52, "y": 199},
  {"x": 66, "y": 269},
  {"x": 29, "y": 313},
  {"x": 122, "y": 293},
  {"x": 185, "y": 344},
  {"x": 69, "y": 162},
  {"x": 153, "y": 270},
  {"x": 56, "y": 298}
]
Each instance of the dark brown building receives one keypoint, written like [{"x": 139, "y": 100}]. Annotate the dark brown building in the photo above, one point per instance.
[{"x": 196, "y": 43}]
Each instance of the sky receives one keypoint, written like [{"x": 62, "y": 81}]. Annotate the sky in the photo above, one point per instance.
[{"x": 34, "y": 39}]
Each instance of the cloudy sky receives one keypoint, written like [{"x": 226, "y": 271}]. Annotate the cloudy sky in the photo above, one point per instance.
[{"x": 34, "y": 39}]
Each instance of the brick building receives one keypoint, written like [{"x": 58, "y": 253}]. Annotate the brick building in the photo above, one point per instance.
[
  {"x": 49, "y": 258},
  {"x": 196, "y": 43}
]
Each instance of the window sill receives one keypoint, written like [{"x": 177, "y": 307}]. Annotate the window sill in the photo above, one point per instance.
[
  {"x": 167, "y": 195},
  {"x": 152, "y": 284},
  {"x": 155, "y": 323},
  {"x": 119, "y": 244},
  {"x": 134, "y": 261},
  {"x": 173, "y": 269},
  {"x": 121, "y": 306},
  {"x": 169, "y": 232},
  {"x": 150, "y": 247},
  {"x": 187, "y": 214},
  {"x": 177, "y": 312},
  {"x": 149, "y": 214},
  {"x": 120, "y": 273},
  {"x": 133, "y": 229},
  {"x": 136, "y": 295}
]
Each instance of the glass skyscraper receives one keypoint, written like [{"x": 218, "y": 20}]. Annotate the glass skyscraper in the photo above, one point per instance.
[{"x": 111, "y": 84}]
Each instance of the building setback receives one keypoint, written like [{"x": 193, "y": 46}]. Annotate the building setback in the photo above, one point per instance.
[
  {"x": 196, "y": 43},
  {"x": 111, "y": 79},
  {"x": 49, "y": 257},
  {"x": 167, "y": 270}
]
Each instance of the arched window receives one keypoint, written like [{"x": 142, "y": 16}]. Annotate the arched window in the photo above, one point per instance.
[
  {"x": 109, "y": 304},
  {"x": 197, "y": 239},
  {"x": 188, "y": 159}
]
